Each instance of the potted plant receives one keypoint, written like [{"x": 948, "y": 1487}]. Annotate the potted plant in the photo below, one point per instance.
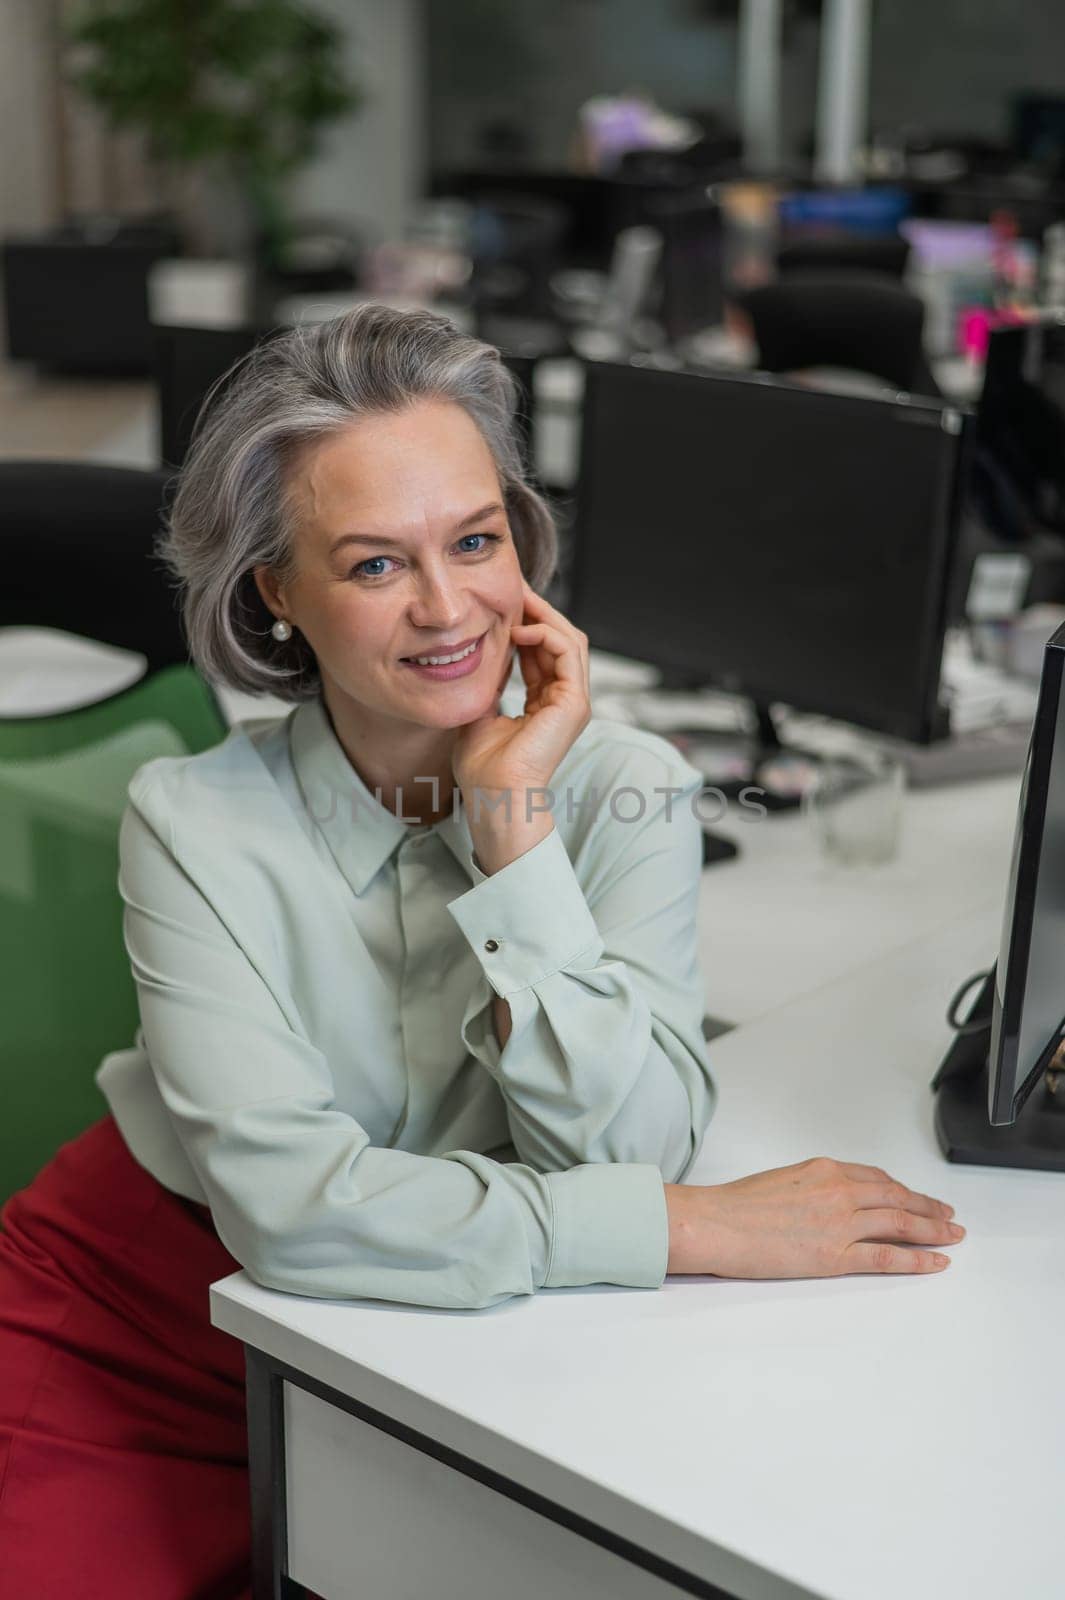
[{"x": 225, "y": 87}]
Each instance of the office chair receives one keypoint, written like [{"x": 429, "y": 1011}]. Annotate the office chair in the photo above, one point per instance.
[
  {"x": 75, "y": 542},
  {"x": 885, "y": 253},
  {"x": 187, "y": 362},
  {"x": 860, "y": 321},
  {"x": 76, "y": 550}
]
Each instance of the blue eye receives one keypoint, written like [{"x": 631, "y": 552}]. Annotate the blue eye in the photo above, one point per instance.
[
  {"x": 372, "y": 567},
  {"x": 471, "y": 544}
]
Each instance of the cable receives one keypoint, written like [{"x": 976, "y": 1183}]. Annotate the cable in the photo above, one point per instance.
[{"x": 972, "y": 1025}]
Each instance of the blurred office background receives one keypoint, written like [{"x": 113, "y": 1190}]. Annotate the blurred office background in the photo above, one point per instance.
[
  {"x": 782, "y": 280},
  {"x": 495, "y": 159}
]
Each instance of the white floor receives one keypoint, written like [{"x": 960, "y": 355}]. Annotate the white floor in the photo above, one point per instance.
[{"x": 76, "y": 419}]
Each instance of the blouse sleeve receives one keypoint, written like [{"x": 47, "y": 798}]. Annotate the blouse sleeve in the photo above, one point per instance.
[
  {"x": 606, "y": 1060},
  {"x": 298, "y": 1194}
]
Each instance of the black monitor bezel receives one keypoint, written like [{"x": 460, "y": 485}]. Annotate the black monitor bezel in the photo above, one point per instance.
[
  {"x": 1005, "y": 1096},
  {"x": 929, "y": 720}
]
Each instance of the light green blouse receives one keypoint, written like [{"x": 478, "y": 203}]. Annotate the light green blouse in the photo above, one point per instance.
[{"x": 316, "y": 1058}]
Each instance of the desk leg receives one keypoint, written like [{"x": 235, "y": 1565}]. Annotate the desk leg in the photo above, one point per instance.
[{"x": 266, "y": 1472}]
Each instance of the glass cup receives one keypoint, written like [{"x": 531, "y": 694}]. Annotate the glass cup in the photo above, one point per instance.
[{"x": 854, "y": 806}]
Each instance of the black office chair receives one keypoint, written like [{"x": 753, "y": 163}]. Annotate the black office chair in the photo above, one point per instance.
[
  {"x": 885, "y": 253},
  {"x": 76, "y": 551},
  {"x": 859, "y": 321},
  {"x": 188, "y": 361}
]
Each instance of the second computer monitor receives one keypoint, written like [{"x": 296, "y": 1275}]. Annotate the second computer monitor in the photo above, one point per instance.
[
  {"x": 787, "y": 543},
  {"x": 1029, "y": 1009}
]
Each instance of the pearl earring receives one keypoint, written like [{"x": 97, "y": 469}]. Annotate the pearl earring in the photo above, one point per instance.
[{"x": 281, "y": 630}]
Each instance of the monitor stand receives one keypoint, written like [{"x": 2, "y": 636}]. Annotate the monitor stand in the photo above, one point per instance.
[
  {"x": 766, "y": 748},
  {"x": 716, "y": 847},
  {"x": 1035, "y": 1141}
]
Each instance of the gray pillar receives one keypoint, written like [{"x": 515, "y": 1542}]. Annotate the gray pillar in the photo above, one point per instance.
[
  {"x": 758, "y": 89},
  {"x": 843, "y": 88},
  {"x": 368, "y": 170}
]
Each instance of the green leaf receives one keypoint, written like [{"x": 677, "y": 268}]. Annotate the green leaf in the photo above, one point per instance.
[{"x": 250, "y": 83}]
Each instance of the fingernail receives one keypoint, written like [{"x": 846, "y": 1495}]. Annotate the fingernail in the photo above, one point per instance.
[
  {"x": 948, "y": 1211},
  {"x": 957, "y": 1230},
  {"x": 942, "y": 1261}
]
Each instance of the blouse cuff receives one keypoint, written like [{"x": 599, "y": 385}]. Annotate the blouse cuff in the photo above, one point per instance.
[
  {"x": 610, "y": 1226},
  {"x": 527, "y": 920}
]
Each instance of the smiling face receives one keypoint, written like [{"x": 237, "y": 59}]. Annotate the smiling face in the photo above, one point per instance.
[{"x": 403, "y": 553}]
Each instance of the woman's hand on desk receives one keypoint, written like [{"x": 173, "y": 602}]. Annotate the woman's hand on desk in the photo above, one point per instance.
[{"x": 819, "y": 1219}]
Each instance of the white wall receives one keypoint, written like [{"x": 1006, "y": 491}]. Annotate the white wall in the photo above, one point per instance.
[{"x": 371, "y": 165}]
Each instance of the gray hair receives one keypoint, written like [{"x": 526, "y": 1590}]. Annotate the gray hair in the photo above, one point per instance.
[{"x": 231, "y": 514}]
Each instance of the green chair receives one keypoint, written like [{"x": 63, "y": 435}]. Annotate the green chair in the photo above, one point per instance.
[{"x": 67, "y": 992}]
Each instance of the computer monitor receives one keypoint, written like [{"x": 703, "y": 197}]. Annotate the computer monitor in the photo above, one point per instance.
[
  {"x": 1029, "y": 1002},
  {"x": 1020, "y": 427},
  {"x": 786, "y": 543},
  {"x": 806, "y": 213},
  {"x": 995, "y": 1105}
]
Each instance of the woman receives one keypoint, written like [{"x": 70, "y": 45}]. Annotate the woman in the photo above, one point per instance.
[{"x": 413, "y": 1026}]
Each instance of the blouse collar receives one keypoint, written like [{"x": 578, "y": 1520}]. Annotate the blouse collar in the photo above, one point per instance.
[{"x": 362, "y": 834}]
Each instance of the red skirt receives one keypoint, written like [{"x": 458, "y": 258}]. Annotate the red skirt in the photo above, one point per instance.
[{"x": 123, "y": 1449}]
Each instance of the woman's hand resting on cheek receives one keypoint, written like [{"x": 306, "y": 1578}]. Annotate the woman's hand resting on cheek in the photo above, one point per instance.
[
  {"x": 819, "y": 1219},
  {"x": 504, "y": 765}
]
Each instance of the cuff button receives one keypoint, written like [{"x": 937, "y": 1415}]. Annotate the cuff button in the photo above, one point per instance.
[{"x": 491, "y": 945}]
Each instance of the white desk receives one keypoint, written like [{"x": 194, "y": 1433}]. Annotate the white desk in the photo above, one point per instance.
[
  {"x": 778, "y": 922},
  {"x": 856, "y": 1439}
]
